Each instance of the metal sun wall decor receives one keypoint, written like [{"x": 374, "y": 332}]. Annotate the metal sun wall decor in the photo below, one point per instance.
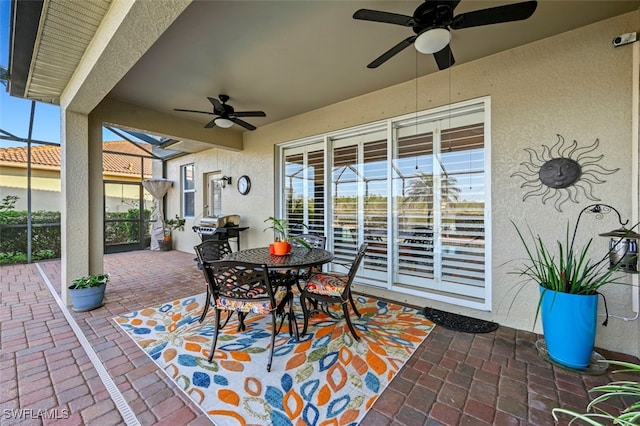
[{"x": 561, "y": 172}]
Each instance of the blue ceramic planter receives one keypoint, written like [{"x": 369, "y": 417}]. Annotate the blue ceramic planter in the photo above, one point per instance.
[
  {"x": 86, "y": 299},
  {"x": 569, "y": 325}
]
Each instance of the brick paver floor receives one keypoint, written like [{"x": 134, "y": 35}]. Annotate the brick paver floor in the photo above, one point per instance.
[{"x": 46, "y": 377}]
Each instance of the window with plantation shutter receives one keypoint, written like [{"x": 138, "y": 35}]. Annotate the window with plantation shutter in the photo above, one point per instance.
[
  {"x": 415, "y": 188},
  {"x": 304, "y": 204},
  {"x": 439, "y": 180},
  {"x": 359, "y": 196}
]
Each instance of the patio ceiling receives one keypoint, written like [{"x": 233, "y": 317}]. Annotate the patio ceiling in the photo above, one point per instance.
[{"x": 282, "y": 57}]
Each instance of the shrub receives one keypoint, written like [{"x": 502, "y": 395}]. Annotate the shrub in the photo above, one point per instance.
[{"x": 45, "y": 237}]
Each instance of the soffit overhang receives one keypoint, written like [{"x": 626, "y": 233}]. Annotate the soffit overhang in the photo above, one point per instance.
[{"x": 48, "y": 41}]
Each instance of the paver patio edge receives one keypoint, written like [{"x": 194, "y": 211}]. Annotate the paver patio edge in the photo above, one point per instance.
[{"x": 117, "y": 397}]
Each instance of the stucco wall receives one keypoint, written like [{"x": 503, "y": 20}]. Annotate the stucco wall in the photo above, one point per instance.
[
  {"x": 575, "y": 84},
  {"x": 46, "y": 186}
]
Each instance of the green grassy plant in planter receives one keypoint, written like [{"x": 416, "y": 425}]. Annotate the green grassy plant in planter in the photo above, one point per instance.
[
  {"x": 87, "y": 293},
  {"x": 281, "y": 245},
  {"x": 177, "y": 223},
  {"x": 569, "y": 282}
]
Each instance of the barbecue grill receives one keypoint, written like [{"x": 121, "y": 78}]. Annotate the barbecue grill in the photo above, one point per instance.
[{"x": 220, "y": 228}]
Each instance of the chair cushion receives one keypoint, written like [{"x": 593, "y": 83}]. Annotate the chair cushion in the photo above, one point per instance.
[
  {"x": 327, "y": 284},
  {"x": 261, "y": 306}
]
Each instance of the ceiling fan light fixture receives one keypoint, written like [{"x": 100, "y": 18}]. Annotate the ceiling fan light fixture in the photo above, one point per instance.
[
  {"x": 433, "y": 40},
  {"x": 224, "y": 123}
]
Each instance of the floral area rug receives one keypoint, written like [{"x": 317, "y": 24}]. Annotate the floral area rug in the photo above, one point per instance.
[{"x": 326, "y": 378}]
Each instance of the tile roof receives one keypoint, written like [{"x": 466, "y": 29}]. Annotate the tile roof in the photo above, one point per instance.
[{"x": 49, "y": 156}]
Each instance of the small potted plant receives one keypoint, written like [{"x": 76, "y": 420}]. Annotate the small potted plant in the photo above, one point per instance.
[
  {"x": 166, "y": 243},
  {"x": 281, "y": 245},
  {"x": 87, "y": 293}
]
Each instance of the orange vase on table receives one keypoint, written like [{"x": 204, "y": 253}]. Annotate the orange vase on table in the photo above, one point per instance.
[{"x": 280, "y": 248}]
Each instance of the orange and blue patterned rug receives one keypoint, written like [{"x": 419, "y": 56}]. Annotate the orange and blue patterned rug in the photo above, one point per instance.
[{"x": 326, "y": 378}]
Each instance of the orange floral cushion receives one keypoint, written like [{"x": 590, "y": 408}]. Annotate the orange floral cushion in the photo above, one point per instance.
[
  {"x": 327, "y": 284},
  {"x": 258, "y": 307}
]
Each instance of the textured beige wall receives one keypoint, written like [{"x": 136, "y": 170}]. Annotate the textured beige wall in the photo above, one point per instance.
[
  {"x": 40, "y": 200},
  {"x": 253, "y": 208},
  {"x": 575, "y": 84},
  {"x": 45, "y": 186}
]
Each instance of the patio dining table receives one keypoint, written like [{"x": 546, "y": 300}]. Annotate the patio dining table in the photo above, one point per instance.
[{"x": 283, "y": 270}]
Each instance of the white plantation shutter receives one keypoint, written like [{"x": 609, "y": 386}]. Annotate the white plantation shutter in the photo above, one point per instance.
[
  {"x": 304, "y": 201},
  {"x": 414, "y": 188}
]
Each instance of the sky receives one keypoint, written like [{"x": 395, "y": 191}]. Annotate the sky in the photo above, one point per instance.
[{"x": 15, "y": 112}]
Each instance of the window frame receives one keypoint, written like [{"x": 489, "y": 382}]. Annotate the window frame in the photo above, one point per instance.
[
  {"x": 185, "y": 190},
  {"x": 444, "y": 113}
]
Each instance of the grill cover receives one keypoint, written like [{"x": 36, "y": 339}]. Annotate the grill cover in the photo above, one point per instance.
[{"x": 220, "y": 221}]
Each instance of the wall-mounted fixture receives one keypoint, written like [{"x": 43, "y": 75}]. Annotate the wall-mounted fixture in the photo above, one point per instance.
[
  {"x": 226, "y": 180},
  {"x": 624, "y": 39},
  {"x": 623, "y": 245}
]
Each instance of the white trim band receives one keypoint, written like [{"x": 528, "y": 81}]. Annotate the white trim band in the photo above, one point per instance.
[{"x": 121, "y": 404}]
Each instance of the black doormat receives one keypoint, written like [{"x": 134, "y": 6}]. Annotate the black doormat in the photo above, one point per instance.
[{"x": 458, "y": 322}]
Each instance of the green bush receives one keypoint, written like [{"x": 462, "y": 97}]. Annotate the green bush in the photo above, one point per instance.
[
  {"x": 45, "y": 238},
  {"x": 120, "y": 229}
]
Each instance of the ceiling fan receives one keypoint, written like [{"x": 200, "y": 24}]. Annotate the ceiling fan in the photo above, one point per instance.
[
  {"x": 432, "y": 22},
  {"x": 226, "y": 114}
]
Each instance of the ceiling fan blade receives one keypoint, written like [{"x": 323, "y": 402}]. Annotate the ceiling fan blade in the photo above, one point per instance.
[
  {"x": 217, "y": 106},
  {"x": 385, "y": 17},
  {"x": 210, "y": 124},
  {"x": 248, "y": 114},
  {"x": 444, "y": 58},
  {"x": 190, "y": 110},
  {"x": 495, "y": 15},
  {"x": 243, "y": 123},
  {"x": 392, "y": 52}
]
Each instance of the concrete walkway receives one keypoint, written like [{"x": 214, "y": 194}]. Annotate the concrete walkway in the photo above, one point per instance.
[{"x": 47, "y": 376}]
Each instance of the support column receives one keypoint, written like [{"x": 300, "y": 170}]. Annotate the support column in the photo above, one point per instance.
[
  {"x": 96, "y": 197},
  {"x": 81, "y": 211}
]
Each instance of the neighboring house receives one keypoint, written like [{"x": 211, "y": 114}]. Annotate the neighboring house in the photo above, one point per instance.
[{"x": 122, "y": 162}]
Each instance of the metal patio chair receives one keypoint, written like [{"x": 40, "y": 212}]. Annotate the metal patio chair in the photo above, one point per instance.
[
  {"x": 210, "y": 250},
  {"x": 325, "y": 289},
  {"x": 244, "y": 288}
]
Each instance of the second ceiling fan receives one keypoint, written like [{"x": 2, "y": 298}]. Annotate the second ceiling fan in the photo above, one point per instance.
[
  {"x": 432, "y": 22},
  {"x": 227, "y": 115}
]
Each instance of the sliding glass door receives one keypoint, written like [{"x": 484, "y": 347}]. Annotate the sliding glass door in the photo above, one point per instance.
[
  {"x": 304, "y": 188},
  {"x": 439, "y": 202},
  {"x": 359, "y": 199},
  {"x": 415, "y": 189}
]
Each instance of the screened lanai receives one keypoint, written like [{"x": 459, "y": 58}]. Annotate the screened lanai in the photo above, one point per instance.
[
  {"x": 30, "y": 189},
  {"x": 156, "y": 79}
]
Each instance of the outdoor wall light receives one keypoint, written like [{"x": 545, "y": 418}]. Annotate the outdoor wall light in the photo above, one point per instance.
[
  {"x": 226, "y": 180},
  {"x": 623, "y": 249},
  {"x": 623, "y": 244},
  {"x": 432, "y": 41},
  {"x": 225, "y": 123}
]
